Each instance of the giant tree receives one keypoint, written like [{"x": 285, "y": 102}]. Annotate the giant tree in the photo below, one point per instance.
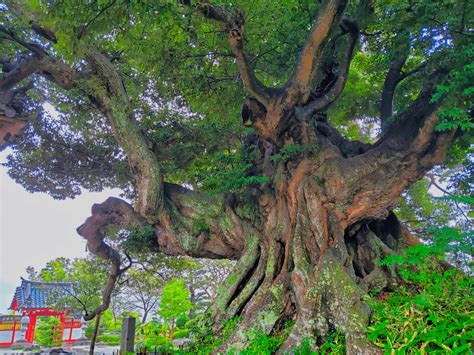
[{"x": 147, "y": 98}]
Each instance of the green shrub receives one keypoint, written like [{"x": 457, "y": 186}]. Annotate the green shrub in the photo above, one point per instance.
[
  {"x": 109, "y": 339},
  {"x": 159, "y": 344},
  {"x": 204, "y": 341},
  {"x": 48, "y": 332},
  {"x": 433, "y": 311},
  {"x": 154, "y": 336},
  {"x": 261, "y": 343},
  {"x": 181, "y": 333}
]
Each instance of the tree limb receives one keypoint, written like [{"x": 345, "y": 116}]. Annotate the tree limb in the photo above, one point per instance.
[
  {"x": 112, "y": 211},
  {"x": 402, "y": 156},
  {"x": 415, "y": 70},
  {"x": 234, "y": 27},
  {"x": 19, "y": 72},
  {"x": 310, "y": 56},
  {"x": 86, "y": 312},
  {"x": 394, "y": 76},
  {"x": 177, "y": 234},
  {"x": 46, "y": 33},
  {"x": 391, "y": 80},
  {"x": 216, "y": 243},
  {"x": 32, "y": 47},
  {"x": 336, "y": 89},
  {"x": 101, "y": 11},
  {"x": 115, "y": 105}
]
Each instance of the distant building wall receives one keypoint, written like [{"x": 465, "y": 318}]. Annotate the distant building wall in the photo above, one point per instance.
[{"x": 10, "y": 327}]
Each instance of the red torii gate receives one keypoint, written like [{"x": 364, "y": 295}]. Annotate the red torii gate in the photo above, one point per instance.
[{"x": 33, "y": 299}]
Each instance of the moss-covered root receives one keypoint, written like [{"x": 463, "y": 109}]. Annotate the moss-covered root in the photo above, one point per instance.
[
  {"x": 260, "y": 302},
  {"x": 334, "y": 302},
  {"x": 240, "y": 282}
]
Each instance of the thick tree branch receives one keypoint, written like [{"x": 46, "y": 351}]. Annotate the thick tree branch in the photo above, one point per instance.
[
  {"x": 112, "y": 211},
  {"x": 195, "y": 225},
  {"x": 13, "y": 101},
  {"x": 13, "y": 116},
  {"x": 19, "y": 71},
  {"x": 46, "y": 33},
  {"x": 32, "y": 47},
  {"x": 402, "y": 156},
  {"x": 394, "y": 76},
  {"x": 113, "y": 101},
  {"x": 39, "y": 61},
  {"x": 310, "y": 56},
  {"x": 207, "y": 240},
  {"x": 234, "y": 27},
  {"x": 391, "y": 80},
  {"x": 115, "y": 105},
  {"x": 201, "y": 226},
  {"x": 270, "y": 109},
  {"x": 336, "y": 89}
]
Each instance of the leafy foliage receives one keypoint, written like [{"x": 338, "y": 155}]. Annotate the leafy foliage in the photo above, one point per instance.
[
  {"x": 89, "y": 275},
  {"x": 433, "y": 310},
  {"x": 437, "y": 319},
  {"x": 138, "y": 240},
  {"x": 154, "y": 337},
  {"x": 48, "y": 332},
  {"x": 174, "y": 303},
  {"x": 457, "y": 111},
  {"x": 226, "y": 171},
  {"x": 288, "y": 152},
  {"x": 420, "y": 209},
  {"x": 109, "y": 339},
  {"x": 186, "y": 91},
  {"x": 204, "y": 341}
]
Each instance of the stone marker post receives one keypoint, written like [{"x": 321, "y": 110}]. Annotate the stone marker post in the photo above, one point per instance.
[
  {"x": 25, "y": 321},
  {"x": 128, "y": 335}
]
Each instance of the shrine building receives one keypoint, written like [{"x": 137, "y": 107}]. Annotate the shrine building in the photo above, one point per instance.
[{"x": 33, "y": 300}]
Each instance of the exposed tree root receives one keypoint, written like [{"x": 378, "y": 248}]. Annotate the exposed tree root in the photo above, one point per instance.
[{"x": 318, "y": 298}]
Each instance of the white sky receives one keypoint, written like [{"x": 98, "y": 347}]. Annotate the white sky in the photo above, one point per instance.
[{"x": 35, "y": 229}]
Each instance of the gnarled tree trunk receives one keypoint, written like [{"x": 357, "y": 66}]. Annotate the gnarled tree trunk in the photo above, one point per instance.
[{"x": 309, "y": 241}]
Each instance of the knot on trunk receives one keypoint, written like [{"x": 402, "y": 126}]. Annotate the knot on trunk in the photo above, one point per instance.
[{"x": 251, "y": 111}]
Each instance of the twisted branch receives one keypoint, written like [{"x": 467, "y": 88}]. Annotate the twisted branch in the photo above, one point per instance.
[
  {"x": 336, "y": 89},
  {"x": 112, "y": 211},
  {"x": 234, "y": 27},
  {"x": 310, "y": 56}
]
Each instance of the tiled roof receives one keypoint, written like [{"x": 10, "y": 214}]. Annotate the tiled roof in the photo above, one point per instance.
[{"x": 34, "y": 294}]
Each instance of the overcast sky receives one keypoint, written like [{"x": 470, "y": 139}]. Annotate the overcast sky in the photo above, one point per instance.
[{"x": 34, "y": 229}]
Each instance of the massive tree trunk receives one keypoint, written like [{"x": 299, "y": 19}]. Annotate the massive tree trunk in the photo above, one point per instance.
[
  {"x": 308, "y": 241},
  {"x": 308, "y": 268}
]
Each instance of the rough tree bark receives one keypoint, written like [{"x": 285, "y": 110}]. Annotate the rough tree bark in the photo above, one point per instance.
[{"x": 308, "y": 241}]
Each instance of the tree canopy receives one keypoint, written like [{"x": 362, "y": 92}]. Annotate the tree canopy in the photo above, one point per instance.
[{"x": 186, "y": 91}]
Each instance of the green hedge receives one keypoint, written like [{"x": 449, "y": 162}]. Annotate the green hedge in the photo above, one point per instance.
[{"x": 109, "y": 339}]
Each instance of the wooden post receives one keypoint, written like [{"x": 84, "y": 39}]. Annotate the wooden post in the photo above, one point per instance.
[
  {"x": 127, "y": 339},
  {"x": 14, "y": 330},
  {"x": 30, "y": 331}
]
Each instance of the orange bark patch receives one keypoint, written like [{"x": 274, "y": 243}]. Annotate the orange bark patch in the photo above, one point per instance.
[
  {"x": 9, "y": 127},
  {"x": 298, "y": 282}
]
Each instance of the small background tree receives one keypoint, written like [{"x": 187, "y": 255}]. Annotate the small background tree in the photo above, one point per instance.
[
  {"x": 174, "y": 303},
  {"x": 48, "y": 332}
]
